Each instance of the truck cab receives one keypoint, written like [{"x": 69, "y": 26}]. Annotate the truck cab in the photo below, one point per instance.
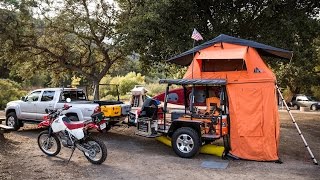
[{"x": 31, "y": 108}]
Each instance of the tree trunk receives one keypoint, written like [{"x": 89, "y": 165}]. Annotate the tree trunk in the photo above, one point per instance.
[{"x": 96, "y": 89}]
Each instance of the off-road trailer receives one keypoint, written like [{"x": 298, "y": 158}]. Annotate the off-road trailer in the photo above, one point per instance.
[{"x": 188, "y": 129}]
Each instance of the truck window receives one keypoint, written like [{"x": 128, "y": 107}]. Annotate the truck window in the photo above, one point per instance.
[
  {"x": 47, "y": 96},
  {"x": 34, "y": 96},
  {"x": 73, "y": 95}
]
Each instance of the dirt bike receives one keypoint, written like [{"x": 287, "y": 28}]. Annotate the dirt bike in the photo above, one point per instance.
[{"x": 72, "y": 135}]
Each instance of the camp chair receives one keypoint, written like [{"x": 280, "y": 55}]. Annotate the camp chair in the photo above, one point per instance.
[{"x": 212, "y": 103}]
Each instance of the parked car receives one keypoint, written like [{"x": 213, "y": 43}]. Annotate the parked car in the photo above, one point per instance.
[
  {"x": 301, "y": 100},
  {"x": 31, "y": 108}
]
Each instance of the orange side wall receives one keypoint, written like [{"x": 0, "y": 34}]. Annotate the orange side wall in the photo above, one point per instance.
[{"x": 254, "y": 121}]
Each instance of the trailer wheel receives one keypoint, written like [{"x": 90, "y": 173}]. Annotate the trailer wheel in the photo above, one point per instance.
[{"x": 185, "y": 142}]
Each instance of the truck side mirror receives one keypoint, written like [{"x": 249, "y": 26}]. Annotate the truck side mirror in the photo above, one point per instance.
[{"x": 23, "y": 98}]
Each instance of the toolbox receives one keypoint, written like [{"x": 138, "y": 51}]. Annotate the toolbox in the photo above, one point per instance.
[{"x": 125, "y": 109}]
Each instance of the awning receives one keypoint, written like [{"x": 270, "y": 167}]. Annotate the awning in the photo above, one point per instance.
[
  {"x": 193, "y": 81},
  {"x": 186, "y": 57}
]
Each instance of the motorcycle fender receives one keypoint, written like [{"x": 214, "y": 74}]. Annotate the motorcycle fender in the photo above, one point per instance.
[
  {"x": 91, "y": 126},
  {"x": 44, "y": 124},
  {"x": 78, "y": 133}
]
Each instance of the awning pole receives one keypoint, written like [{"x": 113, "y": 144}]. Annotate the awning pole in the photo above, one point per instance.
[{"x": 300, "y": 133}]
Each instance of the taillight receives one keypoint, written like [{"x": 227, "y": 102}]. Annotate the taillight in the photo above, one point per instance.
[
  {"x": 97, "y": 109},
  {"x": 45, "y": 118}
]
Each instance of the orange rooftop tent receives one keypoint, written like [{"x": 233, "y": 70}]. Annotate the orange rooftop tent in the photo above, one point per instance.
[{"x": 254, "y": 118}]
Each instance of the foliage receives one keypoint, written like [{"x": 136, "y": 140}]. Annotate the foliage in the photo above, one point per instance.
[
  {"x": 158, "y": 30},
  {"x": 79, "y": 39},
  {"x": 124, "y": 83},
  {"x": 316, "y": 91},
  {"x": 155, "y": 89},
  {"x": 10, "y": 91}
]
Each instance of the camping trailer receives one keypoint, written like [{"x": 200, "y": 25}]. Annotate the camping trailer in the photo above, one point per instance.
[{"x": 250, "y": 86}]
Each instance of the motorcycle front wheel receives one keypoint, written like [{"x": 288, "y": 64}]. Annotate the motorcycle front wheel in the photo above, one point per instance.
[
  {"x": 51, "y": 146},
  {"x": 97, "y": 150}
]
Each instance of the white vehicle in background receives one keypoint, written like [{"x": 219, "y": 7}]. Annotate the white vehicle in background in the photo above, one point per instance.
[{"x": 31, "y": 108}]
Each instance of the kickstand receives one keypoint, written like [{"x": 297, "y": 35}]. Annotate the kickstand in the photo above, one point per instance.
[{"x": 73, "y": 148}]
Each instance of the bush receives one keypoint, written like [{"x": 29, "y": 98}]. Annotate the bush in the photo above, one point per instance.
[
  {"x": 125, "y": 84},
  {"x": 155, "y": 88},
  {"x": 10, "y": 91},
  {"x": 316, "y": 91}
]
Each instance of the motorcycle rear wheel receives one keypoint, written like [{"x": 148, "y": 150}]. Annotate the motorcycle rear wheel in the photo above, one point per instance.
[
  {"x": 50, "y": 146},
  {"x": 98, "y": 150}
]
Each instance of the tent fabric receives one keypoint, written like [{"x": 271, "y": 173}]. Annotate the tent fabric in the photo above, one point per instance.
[
  {"x": 185, "y": 58},
  {"x": 254, "y": 119},
  {"x": 251, "y": 59}
]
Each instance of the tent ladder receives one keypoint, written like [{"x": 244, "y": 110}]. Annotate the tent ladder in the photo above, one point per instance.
[{"x": 300, "y": 133}]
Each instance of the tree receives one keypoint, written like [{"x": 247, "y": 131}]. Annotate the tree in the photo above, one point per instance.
[
  {"x": 161, "y": 29},
  {"x": 79, "y": 39}
]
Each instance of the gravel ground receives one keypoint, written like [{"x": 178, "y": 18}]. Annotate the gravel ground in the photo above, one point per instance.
[{"x": 135, "y": 157}]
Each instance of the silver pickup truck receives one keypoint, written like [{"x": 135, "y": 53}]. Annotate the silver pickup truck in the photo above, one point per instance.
[{"x": 31, "y": 108}]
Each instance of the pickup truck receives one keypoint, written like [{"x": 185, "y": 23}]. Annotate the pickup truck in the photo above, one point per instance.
[{"x": 31, "y": 108}]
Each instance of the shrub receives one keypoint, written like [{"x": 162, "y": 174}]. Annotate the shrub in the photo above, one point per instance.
[
  {"x": 155, "y": 88},
  {"x": 10, "y": 91},
  {"x": 125, "y": 84}
]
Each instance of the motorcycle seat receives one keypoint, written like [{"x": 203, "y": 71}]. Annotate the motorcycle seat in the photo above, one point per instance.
[{"x": 74, "y": 125}]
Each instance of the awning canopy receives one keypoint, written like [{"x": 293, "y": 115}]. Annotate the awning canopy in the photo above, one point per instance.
[
  {"x": 193, "y": 81},
  {"x": 186, "y": 57}
]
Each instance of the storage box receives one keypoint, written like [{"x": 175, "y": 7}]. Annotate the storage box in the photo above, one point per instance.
[
  {"x": 111, "y": 110},
  {"x": 125, "y": 109}
]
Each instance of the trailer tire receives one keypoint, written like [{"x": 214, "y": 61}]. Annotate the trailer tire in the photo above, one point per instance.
[{"x": 185, "y": 142}]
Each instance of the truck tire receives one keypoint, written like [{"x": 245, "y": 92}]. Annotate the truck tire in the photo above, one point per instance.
[
  {"x": 313, "y": 107},
  {"x": 296, "y": 107},
  {"x": 12, "y": 121},
  {"x": 185, "y": 142}
]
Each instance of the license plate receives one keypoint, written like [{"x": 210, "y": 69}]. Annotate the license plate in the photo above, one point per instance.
[{"x": 102, "y": 126}]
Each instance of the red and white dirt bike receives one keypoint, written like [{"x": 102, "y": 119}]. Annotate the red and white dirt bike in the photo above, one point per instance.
[{"x": 72, "y": 135}]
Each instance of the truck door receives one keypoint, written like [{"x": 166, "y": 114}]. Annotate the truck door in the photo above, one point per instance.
[
  {"x": 46, "y": 102},
  {"x": 28, "y": 106}
]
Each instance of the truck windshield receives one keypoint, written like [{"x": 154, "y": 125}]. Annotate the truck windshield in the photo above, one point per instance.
[
  {"x": 311, "y": 98},
  {"x": 73, "y": 95}
]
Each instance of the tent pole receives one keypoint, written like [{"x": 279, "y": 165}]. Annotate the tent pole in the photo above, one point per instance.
[{"x": 300, "y": 133}]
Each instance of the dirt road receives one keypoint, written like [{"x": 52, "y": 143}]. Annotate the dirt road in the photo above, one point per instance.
[{"x": 134, "y": 157}]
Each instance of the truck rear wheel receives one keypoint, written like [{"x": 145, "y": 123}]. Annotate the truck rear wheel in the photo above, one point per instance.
[
  {"x": 185, "y": 142},
  {"x": 12, "y": 121}
]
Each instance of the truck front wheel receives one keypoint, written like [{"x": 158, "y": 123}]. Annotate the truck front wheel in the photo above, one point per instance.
[
  {"x": 12, "y": 121},
  {"x": 185, "y": 142}
]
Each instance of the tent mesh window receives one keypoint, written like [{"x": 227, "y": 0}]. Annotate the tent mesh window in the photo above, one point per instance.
[{"x": 221, "y": 65}]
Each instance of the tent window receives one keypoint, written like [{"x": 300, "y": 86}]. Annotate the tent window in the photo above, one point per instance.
[{"x": 220, "y": 65}]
